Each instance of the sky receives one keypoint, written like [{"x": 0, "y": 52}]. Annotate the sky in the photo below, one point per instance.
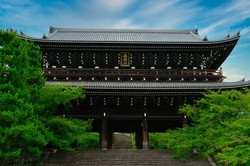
[{"x": 214, "y": 19}]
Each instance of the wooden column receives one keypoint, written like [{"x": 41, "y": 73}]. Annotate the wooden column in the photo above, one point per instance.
[
  {"x": 104, "y": 134},
  {"x": 144, "y": 134},
  {"x": 138, "y": 138},
  {"x": 110, "y": 138},
  {"x": 184, "y": 120}
]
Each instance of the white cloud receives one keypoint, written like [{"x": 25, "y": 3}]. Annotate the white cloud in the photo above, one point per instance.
[
  {"x": 238, "y": 5},
  {"x": 233, "y": 77},
  {"x": 234, "y": 74},
  {"x": 243, "y": 45},
  {"x": 155, "y": 7},
  {"x": 223, "y": 18},
  {"x": 16, "y": 2},
  {"x": 125, "y": 24},
  {"x": 164, "y": 14},
  {"x": 112, "y": 5},
  {"x": 212, "y": 27},
  {"x": 245, "y": 31}
]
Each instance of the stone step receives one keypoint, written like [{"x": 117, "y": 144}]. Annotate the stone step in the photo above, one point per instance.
[{"x": 119, "y": 157}]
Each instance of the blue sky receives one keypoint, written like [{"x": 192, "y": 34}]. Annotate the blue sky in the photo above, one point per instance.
[{"x": 214, "y": 18}]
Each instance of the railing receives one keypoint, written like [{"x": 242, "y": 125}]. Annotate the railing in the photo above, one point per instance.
[{"x": 130, "y": 73}]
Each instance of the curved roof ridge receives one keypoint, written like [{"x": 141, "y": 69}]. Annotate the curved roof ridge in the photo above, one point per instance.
[
  {"x": 188, "y": 31},
  {"x": 196, "y": 34},
  {"x": 24, "y": 36},
  {"x": 51, "y": 34}
]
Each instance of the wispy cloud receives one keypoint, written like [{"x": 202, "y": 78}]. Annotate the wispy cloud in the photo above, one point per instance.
[
  {"x": 112, "y": 5},
  {"x": 222, "y": 19},
  {"x": 125, "y": 24},
  {"x": 167, "y": 14},
  {"x": 245, "y": 31},
  {"x": 232, "y": 77},
  {"x": 213, "y": 26},
  {"x": 152, "y": 8}
]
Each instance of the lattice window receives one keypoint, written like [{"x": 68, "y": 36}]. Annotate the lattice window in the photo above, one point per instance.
[
  {"x": 152, "y": 102},
  {"x": 161, "y": 60},
  {"x": 124, "y": 102},
  {"x": 137, "y": 59},
  {"x": 149, "y": 59},
  {"x": 173, "y": 60},
  {"x": 197, "y": 60},
  {"x": 88, "y": 60},
  {"x": 52, "y": 60},
  {"x": 96, "y": 101},
  {"x": 138, "y": 102},
  {"x": 186, "y": 60},
  {"x": 113, "y": 59},
  {"x": 76, "y": 60},
  {"x": 63, "y": 59},
  {"x": 111, "y": 102},
  {"x": 99, "y": 59}
]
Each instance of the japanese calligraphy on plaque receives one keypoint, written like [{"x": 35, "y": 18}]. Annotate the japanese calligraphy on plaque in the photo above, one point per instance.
[{"x": 125, "y": 59}]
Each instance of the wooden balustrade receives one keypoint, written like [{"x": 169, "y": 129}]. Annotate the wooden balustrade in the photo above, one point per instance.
[
  {"x": 126, "y": 72},
  {"x": 119, "y": 74}
]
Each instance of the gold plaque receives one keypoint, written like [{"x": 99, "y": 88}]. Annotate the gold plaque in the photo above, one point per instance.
[{"x": 125, "y": 59}]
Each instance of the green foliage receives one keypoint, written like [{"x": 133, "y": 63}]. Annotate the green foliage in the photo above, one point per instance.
[
  {"x": 133, "y": 140},
  {"x": 27, "y": 123},
  {"x": 66, "y": 132},
  {"x": 157, "y": 141},
  {"x": 56, "y": 95},
  {"x": 89, "y": 140},
  {"x": 21, "y": 132},
  {"x": 221, "y": 128}
]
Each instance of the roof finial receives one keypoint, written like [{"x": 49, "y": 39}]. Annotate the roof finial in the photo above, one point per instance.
[
  {"x": 21, "y": 32},
  {"x": 44, "y": 36},
  {"x": 196, "y": 29},
  {"x": 51, "y": 29},
  {"x": 205, "y": 38},
  {"x": 228, "y": 36},
  {"x": 238, "y": 33}
]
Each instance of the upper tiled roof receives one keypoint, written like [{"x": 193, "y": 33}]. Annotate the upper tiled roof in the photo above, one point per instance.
[
  {"x": 125, "y": 36},
  {"x": 122, "y": 35},
  {"x": 155, "y": 85}
]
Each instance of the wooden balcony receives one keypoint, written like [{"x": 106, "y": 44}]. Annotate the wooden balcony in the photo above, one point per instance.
[{"x": 132, "y": 74}]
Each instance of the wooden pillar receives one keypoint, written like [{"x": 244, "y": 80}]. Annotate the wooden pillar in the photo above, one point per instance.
[
  {"x": 104, "y": 134},
  {"x": 110, "y": 138},
  {"x": 184, "y": 120},
  {"x": 144, "y": 134},
  {"x": 139, "y": 138}
]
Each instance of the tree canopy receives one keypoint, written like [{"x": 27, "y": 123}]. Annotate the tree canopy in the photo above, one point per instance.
[
  {"x": 27, "y": 122},
  {"x": 220, "y": 128}
]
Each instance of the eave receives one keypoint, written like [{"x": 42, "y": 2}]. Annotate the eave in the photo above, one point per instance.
[
  {"x": 154, "y": 85},
  {"x": 210, "y": 42}
]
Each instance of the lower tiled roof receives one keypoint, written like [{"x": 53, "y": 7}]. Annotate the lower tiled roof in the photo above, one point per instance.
[{"x": 154, "y": 85}]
